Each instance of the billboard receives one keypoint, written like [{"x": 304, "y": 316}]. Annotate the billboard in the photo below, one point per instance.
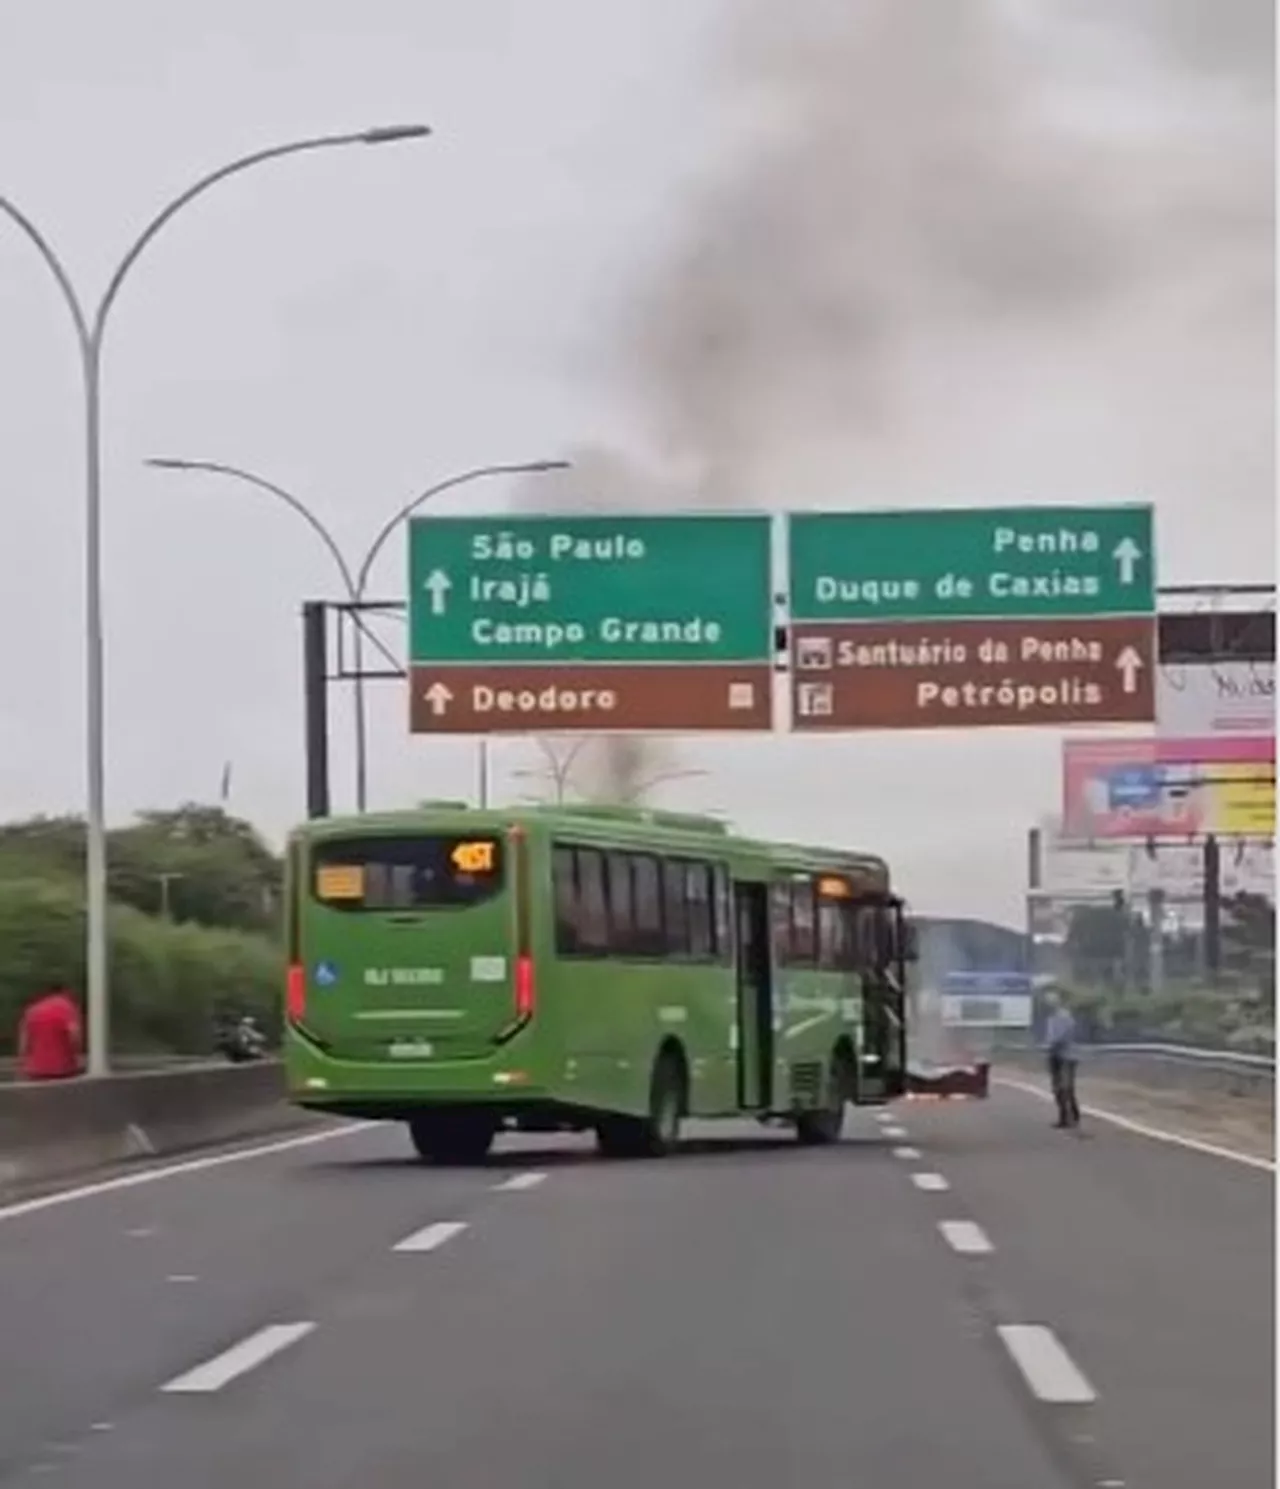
[
  {"x": 1077, "y": 869},
  {"x": 1216, "y": 699},
  {"x": 1178, "y": 870},
  {"x": 1139, "y": 788}
]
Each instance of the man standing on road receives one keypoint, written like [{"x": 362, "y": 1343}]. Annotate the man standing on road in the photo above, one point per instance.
[
  {"x": 50, "y": 1038},
  {"x": 1060, "y": 1043}
]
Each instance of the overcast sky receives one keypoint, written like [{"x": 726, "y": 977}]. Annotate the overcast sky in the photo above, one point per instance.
[{"x": 1021, "y": 256}]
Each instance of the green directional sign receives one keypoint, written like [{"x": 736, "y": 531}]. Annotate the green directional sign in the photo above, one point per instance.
[
  {"x": 502, "y": 589},
  {"x": 972, "y": 563}
]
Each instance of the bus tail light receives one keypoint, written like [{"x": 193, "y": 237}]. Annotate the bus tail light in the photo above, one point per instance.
[
  {"x": 526, "y": 990},
  {"x": 295, "y": 993}
]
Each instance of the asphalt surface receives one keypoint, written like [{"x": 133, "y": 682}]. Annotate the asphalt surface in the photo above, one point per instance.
[{"x": 745, "y": 1314}]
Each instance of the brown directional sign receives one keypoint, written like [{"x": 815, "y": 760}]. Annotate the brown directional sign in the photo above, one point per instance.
[
  {"x": 597, "y": 699},
  {"x": 961, "y": 674}
]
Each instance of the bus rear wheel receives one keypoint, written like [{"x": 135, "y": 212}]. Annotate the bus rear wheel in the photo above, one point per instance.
[
  {"x": 451, "y": 1138},
  {"x": 657, "y": 1134},
  {"x": 825, "y": 1124}
]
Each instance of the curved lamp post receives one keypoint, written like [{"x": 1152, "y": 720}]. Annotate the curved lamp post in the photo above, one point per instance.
[
  {"x": 355, "y": 582},
  {"x": 90, "y": 328}
]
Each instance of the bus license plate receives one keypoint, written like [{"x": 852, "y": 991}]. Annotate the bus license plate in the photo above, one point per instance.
[{"x": 411, "y": 1049}]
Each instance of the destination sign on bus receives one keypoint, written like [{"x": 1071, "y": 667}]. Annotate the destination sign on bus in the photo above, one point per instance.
[
  {"x": 340, "y": 881},
  {"x": 475, "y": 857}
]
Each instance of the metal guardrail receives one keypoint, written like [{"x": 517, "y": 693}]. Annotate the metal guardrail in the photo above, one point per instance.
[
  {"x": 1224, "y": 1059},
  {"x": 1171, "y": 1067}
]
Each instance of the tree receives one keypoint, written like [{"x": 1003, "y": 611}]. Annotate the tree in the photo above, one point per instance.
[
  {"x": 194, "y": 863},
  {"x": 197, "y": 864},
  {"x": 1106, "y": 946},
  {"x": 1249, "y": 943}
]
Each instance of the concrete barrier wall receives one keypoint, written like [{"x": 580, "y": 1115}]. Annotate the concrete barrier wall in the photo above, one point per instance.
[{"x": 66, "y": 1128}]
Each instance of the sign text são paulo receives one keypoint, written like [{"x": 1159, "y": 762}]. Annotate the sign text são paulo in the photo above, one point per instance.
[
  {"x": 967, "y": 617},
  {"x": 522, "y": 624}
]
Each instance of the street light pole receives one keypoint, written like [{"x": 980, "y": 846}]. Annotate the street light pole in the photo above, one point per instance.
[
  {"x": 356, "y": 584},
  {"x": 90, "y": 330}
]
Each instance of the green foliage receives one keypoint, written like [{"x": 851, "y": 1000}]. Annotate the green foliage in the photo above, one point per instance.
[
  {"x": 215, "y": 949},
  {"x": 195, "y": 863}
]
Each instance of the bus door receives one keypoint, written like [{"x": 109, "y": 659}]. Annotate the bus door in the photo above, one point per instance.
[
  {"x": 755, "y": 996},
  {"x": 883, "y": 1073}
]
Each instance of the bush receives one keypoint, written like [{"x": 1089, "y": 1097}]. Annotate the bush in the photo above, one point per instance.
[{"x": 167, "y": 980}]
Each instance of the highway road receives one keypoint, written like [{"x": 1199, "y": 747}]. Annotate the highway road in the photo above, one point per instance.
[{"x": 957, "y": 1294}]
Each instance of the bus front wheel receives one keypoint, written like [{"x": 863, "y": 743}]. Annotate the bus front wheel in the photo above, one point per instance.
[
  {"x": 817, "y": 1128},
  {"x": 449, "y": 1138}
]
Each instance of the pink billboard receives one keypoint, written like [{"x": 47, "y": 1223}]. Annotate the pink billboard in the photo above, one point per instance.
[{"x": 1139, "y": 788}]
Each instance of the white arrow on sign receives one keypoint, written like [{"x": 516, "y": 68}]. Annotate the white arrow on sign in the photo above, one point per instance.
[
  {"x": 438, "y": 584},
  {"x": 1126, "y": 554},
  {"x": 439, "y": 697},
  {"x": 1129, "y": 664}
]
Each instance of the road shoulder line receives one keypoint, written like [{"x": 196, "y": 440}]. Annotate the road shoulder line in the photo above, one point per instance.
[
  {"x": 177, "y": 1170},
  {"x": 1143, "y": 1129}
]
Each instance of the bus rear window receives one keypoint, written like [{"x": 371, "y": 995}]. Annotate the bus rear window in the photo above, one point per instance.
[{"x": 406, "y": 873}]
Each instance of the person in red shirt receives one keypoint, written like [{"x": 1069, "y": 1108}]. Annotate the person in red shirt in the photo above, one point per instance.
[{"x": 50, "y": 1037}]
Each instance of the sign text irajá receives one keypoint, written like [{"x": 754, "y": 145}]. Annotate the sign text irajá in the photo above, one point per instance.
[{"x": 510, "y": 590}]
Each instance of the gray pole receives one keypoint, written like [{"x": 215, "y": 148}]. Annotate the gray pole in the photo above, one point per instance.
[
  {"x": 90, "y": 334},
  {"x": 482, "y": 769}
]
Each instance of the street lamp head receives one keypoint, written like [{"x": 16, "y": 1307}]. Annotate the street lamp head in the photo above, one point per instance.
[
  {"x": 160, "y": 462},
  {"x": 544, "y": 465},
  {"x": 389, "y": 134}
]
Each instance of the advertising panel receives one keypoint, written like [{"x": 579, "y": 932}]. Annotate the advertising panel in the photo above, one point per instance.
[
  {"x": 1138, "y": 788},
  {"x": 1079, "y": 870},
  {"x": 1216, "y": 699}
]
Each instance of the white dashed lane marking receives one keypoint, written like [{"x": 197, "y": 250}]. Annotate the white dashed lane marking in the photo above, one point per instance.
[
  {"x": 431, "y": 1236},
  {"x": 934, "y": 1183},
  {"x": 238, "y": 1360},
  {"x": 965, "y": 1236},
  {"x": 1046, "y": 1366},
  {"x": 894, "y": 1132},
  {"x": 519, "y": 1181},
  {"x": 909, "y": 1153}
]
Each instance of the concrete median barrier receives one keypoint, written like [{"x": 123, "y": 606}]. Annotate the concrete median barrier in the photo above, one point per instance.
[{"x": 68, "y": 1128}]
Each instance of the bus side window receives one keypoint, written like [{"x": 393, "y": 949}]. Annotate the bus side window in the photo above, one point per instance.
[
  {"x": 648, "y": 905},
  {"x": 866, "y": 931},
  {"x": 852, "y": 956},
  {"x": 675, "y": 910},
  {"x": 593, "y": 914},
  {"x": 803, "y": 927},
  {"x": 780, "y": 914},
  {"x": 701, "y": 927},
  {"x": 622, "y": 920},
  {"x": 886, "y": 938},
  {"x": 723, "y": 914},
  {"x": 832, "y": 926},
  {"x": 565, "y": 882}
]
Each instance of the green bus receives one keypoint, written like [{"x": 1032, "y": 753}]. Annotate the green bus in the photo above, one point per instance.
[{"x": 586, "y": 968}]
